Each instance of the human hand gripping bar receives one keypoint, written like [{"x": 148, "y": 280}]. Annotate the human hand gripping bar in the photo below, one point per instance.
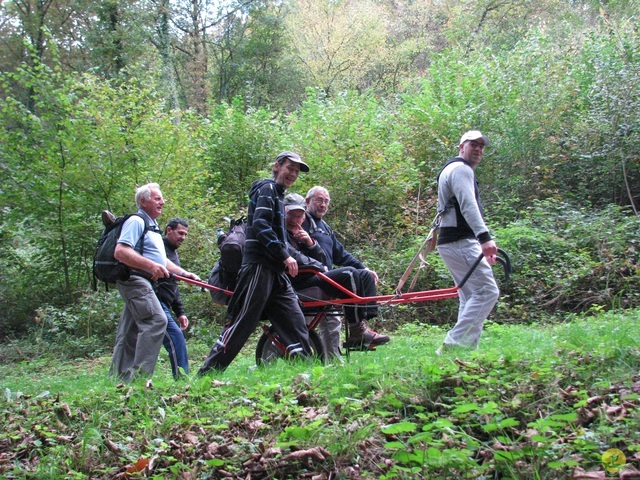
[{"x": 503, "y": 259}]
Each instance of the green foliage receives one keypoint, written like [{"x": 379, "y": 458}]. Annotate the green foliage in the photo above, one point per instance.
[
  {"x": 533, "y": 402},
  {"x": 352, "y": 145},
  {"x": 84, "y": 148},
  {"x": 239, "y": 145},
  {"x": 603, "y": 143},
  {"x": 570, "y": 259},
  {"x": 558, "y": 105}
]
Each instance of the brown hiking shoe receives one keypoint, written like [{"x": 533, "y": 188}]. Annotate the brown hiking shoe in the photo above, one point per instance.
[{"x": 363, "y": 338}]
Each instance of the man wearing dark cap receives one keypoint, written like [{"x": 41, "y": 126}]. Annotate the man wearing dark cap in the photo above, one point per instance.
[
  {"x": 264, "y": 290},
  {"x": 463, "y": 237}
]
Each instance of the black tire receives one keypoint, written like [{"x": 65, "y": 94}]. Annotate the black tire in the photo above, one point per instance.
[{"x": 267, "y": 352}]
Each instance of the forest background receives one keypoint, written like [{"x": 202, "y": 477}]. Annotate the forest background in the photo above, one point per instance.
[{"x": 98, "y": 97}]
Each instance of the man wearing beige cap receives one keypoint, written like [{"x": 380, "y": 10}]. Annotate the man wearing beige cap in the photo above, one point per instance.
[{"x": 463, "y": 237}]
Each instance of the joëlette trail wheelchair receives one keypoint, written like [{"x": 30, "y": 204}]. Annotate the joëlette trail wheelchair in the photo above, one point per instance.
[{"x": 316, "y": 305}]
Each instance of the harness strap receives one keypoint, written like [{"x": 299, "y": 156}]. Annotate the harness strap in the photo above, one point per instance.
[{"x": 427, "y": 246}]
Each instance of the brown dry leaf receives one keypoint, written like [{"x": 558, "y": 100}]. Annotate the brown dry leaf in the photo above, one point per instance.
[
  {"x": 630, "y": 474},
  {"x": 352, "y": 427},
  {"x": 315, "y": 453},
  {"x": 467, "y": 366},
  {"x": 310, "y": 413},
  {"x": 302, "y": 379},
  {"x": 64, "y": 408},
  {"x": 217, "y": 383},
  {"x": 272, "y": 452},
  {"x": 352, "y": 472},
  {"x": 303, "y": 398},
  {"x": 585, "y": 416},
  {"x": 255, "y": 425},
  {"x": 211, "y": 451},
  {"x": 112, "y": 447},
  {"x": 137, "y": 467},
  {"x": 580, "y": 474},
  {"x": 191, "y": 438},
  {"x": 499, "y": 446},
  {"x": 252, "y": 461},
  {"x": 173, "y": 399},
  {"x": 618, "y": 410}
]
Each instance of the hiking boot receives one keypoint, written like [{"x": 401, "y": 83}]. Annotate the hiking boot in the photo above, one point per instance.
[
  {"x": 108, "y": 218},
  {"x": 361, "y": 337}
]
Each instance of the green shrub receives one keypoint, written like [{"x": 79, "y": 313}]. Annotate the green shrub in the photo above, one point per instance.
[{"x": 570, "y": 259}]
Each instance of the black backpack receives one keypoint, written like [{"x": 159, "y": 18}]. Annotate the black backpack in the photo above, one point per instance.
[
  {"x": 105, "y": 267},
  {"x": 225, "y": 272}
]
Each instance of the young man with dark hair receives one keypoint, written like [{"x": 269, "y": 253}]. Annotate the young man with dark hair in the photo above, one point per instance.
[{"x": 174, "y": 342}]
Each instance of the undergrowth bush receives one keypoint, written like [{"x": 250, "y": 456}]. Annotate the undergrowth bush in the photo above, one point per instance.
[{"x": 570, "y": 259}]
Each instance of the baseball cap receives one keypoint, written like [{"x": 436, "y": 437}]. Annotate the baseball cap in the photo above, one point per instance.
[
  {"x": 474, "y": 135},
  {"x": 293, "y": 201},
  {"x": 294, "y": 157}
]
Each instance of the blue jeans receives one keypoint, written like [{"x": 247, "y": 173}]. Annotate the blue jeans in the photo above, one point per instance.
[{"x": 175, "y": 344}]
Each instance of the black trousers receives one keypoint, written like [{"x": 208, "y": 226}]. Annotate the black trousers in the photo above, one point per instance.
[
  {"x": 260, "y": 294},
  {"x": 360, "y": 282}
]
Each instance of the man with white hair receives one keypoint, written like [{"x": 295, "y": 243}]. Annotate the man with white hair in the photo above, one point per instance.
[
  {"x": 143, "y": 321},
  {"x": 463, "y": 237},
  {"x": 359, "y": 335}
]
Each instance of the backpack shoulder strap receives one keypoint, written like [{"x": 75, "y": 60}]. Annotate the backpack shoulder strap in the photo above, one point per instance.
[
  {"x": 140, "y": 243},
  {"x": 323, "y": 227}
]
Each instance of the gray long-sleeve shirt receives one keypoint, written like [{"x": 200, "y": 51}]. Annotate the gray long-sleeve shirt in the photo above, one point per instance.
[{"x": 457, "y": 188}]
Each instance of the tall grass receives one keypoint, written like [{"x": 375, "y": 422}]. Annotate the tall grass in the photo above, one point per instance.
[{"x": 521, "y": 406}]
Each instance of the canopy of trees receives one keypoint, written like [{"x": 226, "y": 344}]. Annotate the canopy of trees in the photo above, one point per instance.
[{"x": 98, "y": 96}]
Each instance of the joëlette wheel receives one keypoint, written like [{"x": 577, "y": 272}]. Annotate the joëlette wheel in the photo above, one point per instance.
[{"x": 267, "y": 351}]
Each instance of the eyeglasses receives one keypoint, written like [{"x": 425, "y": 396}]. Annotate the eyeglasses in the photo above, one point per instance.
[{"x": 321, "y": 201}]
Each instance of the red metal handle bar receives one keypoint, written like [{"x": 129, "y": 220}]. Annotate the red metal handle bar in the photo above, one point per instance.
[
  {"x": 198, "y": 283},
  {"x": 352, "y": 299}
]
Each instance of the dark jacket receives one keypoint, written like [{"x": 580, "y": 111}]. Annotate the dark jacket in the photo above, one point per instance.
[
  {"x": 266, "y": 242},
  {"x": 335, "y": 252},
  {"x": 313, "y": 256},
  {"x": 167, "y": 290}
]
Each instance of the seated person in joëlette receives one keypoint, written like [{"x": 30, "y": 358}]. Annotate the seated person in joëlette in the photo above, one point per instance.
[{"x": 307, "y": 252}]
